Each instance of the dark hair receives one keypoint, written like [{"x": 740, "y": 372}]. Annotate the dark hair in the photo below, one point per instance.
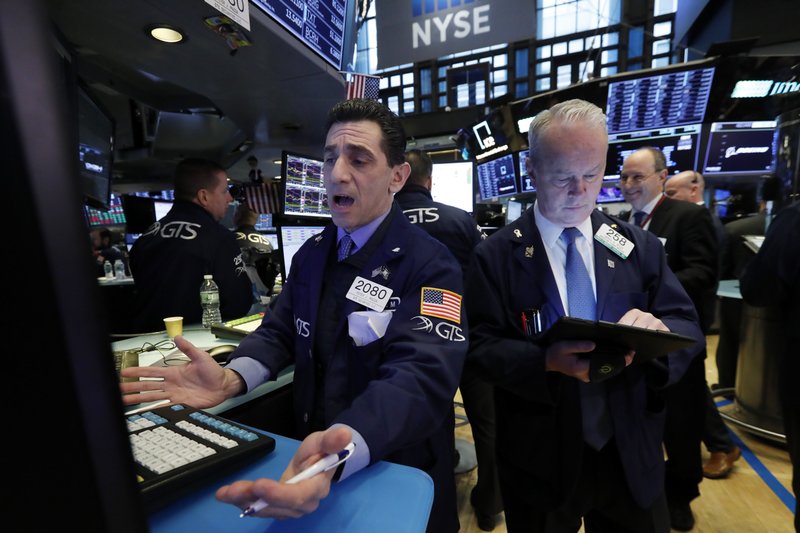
[
  {"x": 421, "y": 166},
  {"x": 244, "y": 216},
  {"x": 393, "y": 142},
  {"x": 191, "y": 175}
]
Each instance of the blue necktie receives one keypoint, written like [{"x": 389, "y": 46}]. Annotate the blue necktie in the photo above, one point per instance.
[
  {"x": 638, "y": 216},
  {"x": 345, "y": 245},
  {"x": 582, "y": 304}
]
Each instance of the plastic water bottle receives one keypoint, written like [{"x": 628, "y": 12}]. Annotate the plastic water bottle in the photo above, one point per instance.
[
  {"x": 119, "y": 269},
  {"x": 209, "y": 300},
  {"x": 109, "y": 270}
]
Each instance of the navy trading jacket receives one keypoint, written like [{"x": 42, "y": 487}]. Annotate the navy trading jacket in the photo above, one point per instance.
[
  {"x": 168, "y": 263},
  {"x": 397, "y": 390},
  {"x": 539, "y": 433},
  {"x": 452, "y": 226}
]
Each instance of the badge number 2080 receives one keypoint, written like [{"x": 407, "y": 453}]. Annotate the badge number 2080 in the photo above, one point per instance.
[{"x": 369, "y": 294}]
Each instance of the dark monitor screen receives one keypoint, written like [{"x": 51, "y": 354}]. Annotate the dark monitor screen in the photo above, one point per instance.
[
  {"x": 525, "y": 181},
  {"x": 291, "y": 239},
  {"x": 741, "y": 148},
  {"x": 497, "y": 178},
  {"x": 95, "y": 150},
  {"x": 679, "y": 145},
  {"x": 452, "y": 184},
  {"x": 659, "y": 100},
  {"x": 140, "y": 213},
  {"x": 303, "y": 188},
  {"x": 115, "y": 216}
]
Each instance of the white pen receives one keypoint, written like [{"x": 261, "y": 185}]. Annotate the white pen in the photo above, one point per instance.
[{"x": 323, "y": 465}]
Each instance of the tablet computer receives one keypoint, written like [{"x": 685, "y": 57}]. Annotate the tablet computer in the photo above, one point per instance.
[{"x": 613, "y": 338}]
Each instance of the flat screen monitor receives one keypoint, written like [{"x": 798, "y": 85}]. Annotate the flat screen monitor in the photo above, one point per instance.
[
  {"x": 140, "y": 213},
  {"x": 525, "y": 181},
  {"x": 610, "y": 192},
  {"x": 114, "y": 216},
  {"x": 291, "y": 239},
  {"x": 659, "y": 100},
  {"x": 303, "y": 189},
  {"x": 264, "y": 222},
  {"x": 513, "y": 211},
  {"x": 161, "y": 208},
  {"x": 452, "y": 184},
  {"x": 319, "y": 24},
  {"x": 273, "y": 240},
  {"x": 95, "y": 150},
  {"x": 497, "y": 178},
  {"x": 741, "y": 148},
  {"x": 679, "y": 144}
]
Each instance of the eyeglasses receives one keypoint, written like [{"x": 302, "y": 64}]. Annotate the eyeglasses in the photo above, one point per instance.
[
  {"x": 636, "y": 179},
  {"x": 165, "y": 346}
]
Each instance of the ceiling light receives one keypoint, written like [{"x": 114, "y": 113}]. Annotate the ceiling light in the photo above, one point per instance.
[{"x": 165, "y": 33}]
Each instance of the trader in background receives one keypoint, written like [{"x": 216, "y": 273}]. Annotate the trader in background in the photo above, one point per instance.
[
  {"x": 772, "y": 278},
  {"x": 457, "y": 230},
  {"x": 256, "y": 254},
  {"x": 571, "y": 446},
  {"x": 687, "y": 233},
  {"x": 371, "y": 319},
  {"x": 169, "y": 260}
]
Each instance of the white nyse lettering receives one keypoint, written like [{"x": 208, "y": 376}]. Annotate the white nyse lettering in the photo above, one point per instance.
[{"x": 421, "y": 32}]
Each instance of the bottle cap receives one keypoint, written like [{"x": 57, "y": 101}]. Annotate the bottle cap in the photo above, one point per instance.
[{"x": 207, "y": 276}]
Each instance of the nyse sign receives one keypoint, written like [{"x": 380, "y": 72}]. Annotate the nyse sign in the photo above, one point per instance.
[{"x": 418, "y": 30}]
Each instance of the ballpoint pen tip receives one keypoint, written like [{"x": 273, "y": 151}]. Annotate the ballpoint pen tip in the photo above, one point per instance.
[{"x": 246, "y": 512}]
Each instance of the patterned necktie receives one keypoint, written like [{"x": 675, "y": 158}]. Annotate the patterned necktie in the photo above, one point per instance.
[
  {"x": 638, "y": 217},
  {"x": 345, "y": 245},
  {"x": 582, "y": 304}
]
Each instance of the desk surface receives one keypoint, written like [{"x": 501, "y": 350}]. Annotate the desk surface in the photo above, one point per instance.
[
  {"x": 202, "y": 338},
  {"x": 384, "y": 497}
]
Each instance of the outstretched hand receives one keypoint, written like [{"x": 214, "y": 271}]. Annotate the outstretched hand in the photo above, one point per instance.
[
  {"x": 291, "y": 500},
  {"x": 200, "y": 383}
]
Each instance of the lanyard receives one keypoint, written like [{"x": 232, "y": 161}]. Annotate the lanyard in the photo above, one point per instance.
[{"x": 650, "y": 214}]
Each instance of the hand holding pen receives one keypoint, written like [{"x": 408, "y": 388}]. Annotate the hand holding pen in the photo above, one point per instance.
[{"x": 329, "y": 462}]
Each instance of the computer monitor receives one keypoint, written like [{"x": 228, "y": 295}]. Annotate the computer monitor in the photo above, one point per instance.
[
  {"x": 161, "y": 208},
  {"x": 264, "y": 222},
  {"x": 95, "y": 149},
  {"x": 741, "y": 148},
  {"x": 452, "y": 184},
  {"x": 657, "y": 100},
  {"x": 679, "y": 144},
  {"x": 497, "y": 178},
  {"x": 513, "y": 210},
  {"x": 291, "y": 239},
  {"x": 72, "y": 399},
  {"x": 140, "y": 213},
  {"x": 114, "y": 216},
  {"x": 610, "y": 192},
  {"x": 525, "y": 181},
  {"x": 303, "y": 191}
]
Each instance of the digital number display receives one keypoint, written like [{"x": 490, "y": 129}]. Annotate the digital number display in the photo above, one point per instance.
[{"x": 320, "y": 24}]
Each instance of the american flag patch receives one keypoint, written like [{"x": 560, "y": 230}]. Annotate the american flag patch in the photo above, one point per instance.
[{"x": 441, "y": 304}]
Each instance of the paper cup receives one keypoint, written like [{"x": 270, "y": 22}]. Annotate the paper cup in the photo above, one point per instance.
[{"x": 174, "y": 325}]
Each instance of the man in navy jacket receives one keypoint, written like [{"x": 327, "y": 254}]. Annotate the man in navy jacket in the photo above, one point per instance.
[
  {"x": 370, "y": 315},
  {"x": 551, "y": 477}
]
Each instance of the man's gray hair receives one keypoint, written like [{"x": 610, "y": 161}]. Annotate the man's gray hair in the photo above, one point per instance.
[{"x": 567, "y": 112}]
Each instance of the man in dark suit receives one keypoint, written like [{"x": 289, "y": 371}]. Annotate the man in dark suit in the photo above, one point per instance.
[
  {"x": 772, "y": 278},
  {"x": 457, "y": 230},
  {"x": 568, "y": 447},
  {"x": 687, "y": 233}
]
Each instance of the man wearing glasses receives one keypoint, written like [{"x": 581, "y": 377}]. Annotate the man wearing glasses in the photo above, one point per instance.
[
  {"x": 168, "y": 261},
  {"x": 687, "y": 233}
]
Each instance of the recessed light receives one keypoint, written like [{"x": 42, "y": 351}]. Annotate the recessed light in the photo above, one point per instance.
[{"x": 165, "y": 33}]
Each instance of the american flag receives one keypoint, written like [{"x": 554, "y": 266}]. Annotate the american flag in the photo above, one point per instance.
[
  {"x": 440, "y": 303},
  {"x": 363, "y": 86},
  {"x": 263, "y": 197}
]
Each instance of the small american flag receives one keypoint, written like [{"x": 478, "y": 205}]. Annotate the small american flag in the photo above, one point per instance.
[
  {"x": 263, "y": 197},
  {"x": 363, "y": 86},
  {"x": 440, "y": 303}
]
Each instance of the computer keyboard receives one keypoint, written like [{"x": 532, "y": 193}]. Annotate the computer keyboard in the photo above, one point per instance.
[
  {"x": 238, "y": 328},
  {"x": 176, "y": 448}
]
